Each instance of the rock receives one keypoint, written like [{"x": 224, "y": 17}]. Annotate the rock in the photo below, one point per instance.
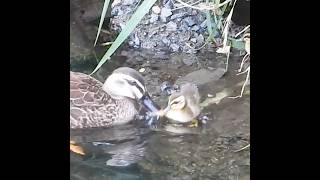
[
  {"x": 171, "y": 26},
  {"x": 131, "y": 43},
  {"x": 117, "y": 11},
  {"x": 166, "y": 41},
  {"x": 165, "y": 12},
  {"x": 195, "y": 28},
  {"x": 152, "y": 33},
  {"x": 194, "y": 40},
  {"x": 142, "y": 70},
  {"x": 189, "y": 60},
  {"x": 128, "y": 2},
  {"x": 154, "y": 18},
  {"x": 168, "y": 4},
  {"x": 148, "y": 44},
  {"x": 115, "y": 3},
  {"x": 184, "y": 27},
  {"x": 136, "y": 40},
  {"x": 210, "y": 68},
  {"x": 179, "y": 15},
  {"x": 203, "y": 24},
  {"x": 200, "y": 39},
  {"x": 206, "y": 76},
  {"x": 156, "y": 9},
  {"x": 174, "y": 47},
  {"x": 189, "y": 21},
  {"x": 194, "y": 12}
]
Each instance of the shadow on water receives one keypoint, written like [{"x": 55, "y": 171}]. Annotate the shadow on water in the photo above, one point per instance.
[{"x": 207, "y": 152}]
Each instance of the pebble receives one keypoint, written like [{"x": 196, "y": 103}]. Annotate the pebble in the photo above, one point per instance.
[
  {"x": 142, "y": 70},
  {"x": 166, "y": 41},
  {"x": 174, "y": 47},
  {"x": 189, "y": 60},
  {"x": 179, "y": 15},
  {"x": 165, "y": 12},
  {"x": 210, "y": 95},
  {"x": 127, "y": 2},
  {"x": 115, "y": 2},
  {"x": 193, "y": 40},
  {"x": 131, "y": 43},
  {"x": 204, "y": 24},
  {"x": 171, "y": 26},
  {"x": 190, "y": 22},
  {"x": 195, "y": 28},
  {"x": 156, "y": 9},
  {"x": 200, "y": 39},
  {"x": 136, "y": 40},
  {"x": 154, "y": 18}
]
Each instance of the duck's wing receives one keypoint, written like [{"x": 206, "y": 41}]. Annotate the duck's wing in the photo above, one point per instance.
[
  {"x": 88, "y": 102},
  {"x": 85, "y": 90}
]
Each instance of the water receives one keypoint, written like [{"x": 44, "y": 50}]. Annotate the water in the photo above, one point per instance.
[{"x": 169, "y": 152}]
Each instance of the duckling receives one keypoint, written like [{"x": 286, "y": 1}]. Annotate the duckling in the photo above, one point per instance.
[
  {"x": 93, "y": 104},
  {"x": 183, "y": 105}
]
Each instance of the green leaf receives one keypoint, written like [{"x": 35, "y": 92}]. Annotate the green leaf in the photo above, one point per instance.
[
  {"x": 103, "y": 15},
  {"x": 142, "y": 10},
  {"x": 236, "y": 44}
]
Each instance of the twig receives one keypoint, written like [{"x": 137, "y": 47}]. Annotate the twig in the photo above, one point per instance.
[
  {"x": 204, "y": 7},
  {"x": 244, "y": 84},
  {"x": 243, "y": 148},
  {"x": 244, "y": 59},
  {"x": 243, "y": 30},
  {"x": 228, "y": 54},
  {"x": 182, "y": 6},
  {"x": 106, "y": 44}
]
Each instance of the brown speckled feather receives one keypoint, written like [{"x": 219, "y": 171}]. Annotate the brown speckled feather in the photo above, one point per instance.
[{"x": 90, "y": 106}]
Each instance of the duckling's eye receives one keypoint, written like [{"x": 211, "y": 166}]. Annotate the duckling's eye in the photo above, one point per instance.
[{"x": 175, "y": 102}]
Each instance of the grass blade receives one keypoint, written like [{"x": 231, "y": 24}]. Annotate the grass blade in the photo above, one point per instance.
[
  {"x": 211, "y": 29},
  {"x": 131, "y": 24},
  {"x": 103, "y": 15}
]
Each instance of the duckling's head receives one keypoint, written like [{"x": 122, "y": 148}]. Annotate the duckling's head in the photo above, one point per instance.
[
  {"x": 126, "y": 82},
  {"x": 183, "y": 105}
]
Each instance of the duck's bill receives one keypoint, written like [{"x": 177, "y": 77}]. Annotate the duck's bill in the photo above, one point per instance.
[{"x": 147, "y": 102}]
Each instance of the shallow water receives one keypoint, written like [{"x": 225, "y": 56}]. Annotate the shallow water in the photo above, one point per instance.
[{"x": 170, "y": 152}]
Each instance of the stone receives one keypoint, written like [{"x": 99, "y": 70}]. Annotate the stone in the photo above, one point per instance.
[
  {"x": 189, "y": 21},
  {"x": 174, "y": 47},
  {"x": 154, "y": 18},
  {"x": 206, "y": 76},
  {"x": 171, "y": 26},
  {"x": 165, "y": 12},
  {"x": 156, "y": 9}
]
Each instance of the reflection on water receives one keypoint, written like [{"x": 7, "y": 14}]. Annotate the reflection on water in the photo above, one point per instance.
[{"x": 170, "y": 152}]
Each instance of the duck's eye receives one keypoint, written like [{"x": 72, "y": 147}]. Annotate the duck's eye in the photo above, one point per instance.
[{"x": 132, "y": 82}]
